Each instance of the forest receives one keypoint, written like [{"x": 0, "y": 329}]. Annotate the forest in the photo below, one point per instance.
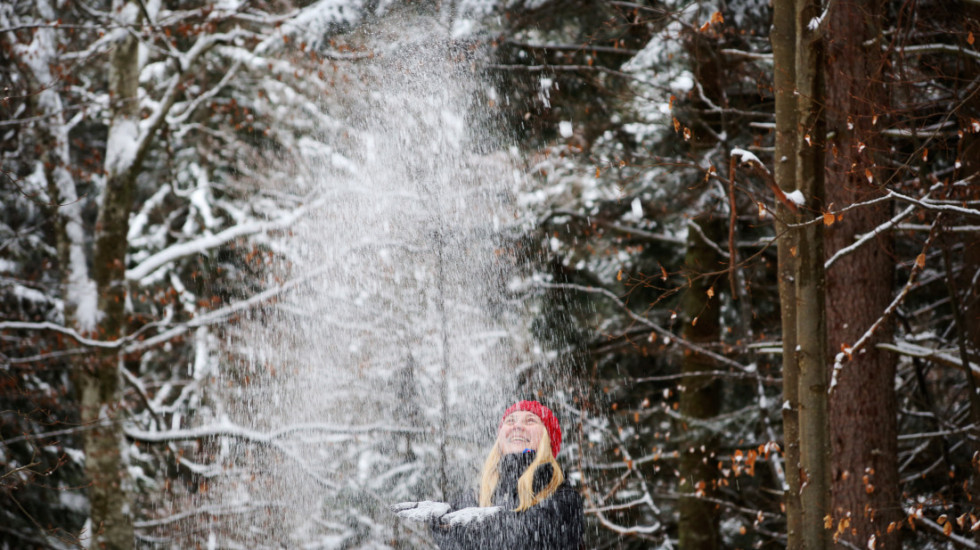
[{"x": 270, "y": 267}]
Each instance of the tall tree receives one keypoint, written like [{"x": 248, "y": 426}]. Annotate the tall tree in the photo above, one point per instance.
[
  {"x": 810, "y": 282},
  {"x": 783, "y": 38},
  {"x": 111, "y": 518},
  {"x": 700, "y": 394},
  {"x": 863, "y": 414}
]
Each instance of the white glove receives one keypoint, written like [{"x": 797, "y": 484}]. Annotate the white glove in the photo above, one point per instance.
[
  {"x": 465, "y": 516},
  {"x": 426, "y": 510}
]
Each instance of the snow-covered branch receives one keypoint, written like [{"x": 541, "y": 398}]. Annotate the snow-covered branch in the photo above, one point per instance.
[
  {"x": 957, "y": 539},
  {"x": 150, "y": 126},
  {"x": 867, "y": 237},
  {"x": 238, "y": 432},
  {"x": 925, "y": 202},
  {"x": 204, "y": 244},
  {"x": 939, "y": 48},
  {"x": 133, "y": 343},
  {"x": 748, "y": 159},
  {"x": 71, "y": 333},
  {"x": 219, "y": 315},
  {"x": 935, "y": 205},
  {"x": 848, "y": 351},
  {"x": 234, "y": 432},
  {"x": 739, "y": 54},
  {"x": 234, "y": 508},
  {"x": 938, "y": 356}
]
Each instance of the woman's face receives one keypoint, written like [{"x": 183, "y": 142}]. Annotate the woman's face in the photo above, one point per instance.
[{"x": 520, "y": 430}]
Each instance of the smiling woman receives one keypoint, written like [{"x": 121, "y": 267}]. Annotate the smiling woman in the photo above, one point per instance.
[
  {"x": 520, "y": 431},
  {"x": 523, "y": 501}
]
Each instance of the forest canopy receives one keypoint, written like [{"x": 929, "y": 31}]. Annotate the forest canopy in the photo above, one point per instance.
[{"x": 267, "y": 268}]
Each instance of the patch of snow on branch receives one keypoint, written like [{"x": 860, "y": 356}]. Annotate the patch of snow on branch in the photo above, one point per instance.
[
  {"x": 796, "y": 197},
  {"x": 746, "y": 157}
]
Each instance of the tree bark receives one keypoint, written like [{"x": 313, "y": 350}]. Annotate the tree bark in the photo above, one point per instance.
[
  {"x": 784, "y": 171},
  {"x": 964, "y": 290},
  {"x": 859, "y": 285},
  {"x": 101, "y": 400},
  {"x": 700, "y": 396},
  {"x": 810, "y": 284}
]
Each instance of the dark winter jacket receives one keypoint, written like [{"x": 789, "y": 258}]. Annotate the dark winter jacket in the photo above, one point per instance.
[{"x": 555, "y": 523}]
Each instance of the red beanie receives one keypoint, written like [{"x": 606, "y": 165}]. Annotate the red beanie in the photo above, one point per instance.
[{"x": 546, "y": 416}]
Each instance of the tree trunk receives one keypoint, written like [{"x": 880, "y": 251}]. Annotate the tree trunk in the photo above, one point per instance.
[
  {"x": 859, "y": 285},
  {"x": 700, "y": 396},
  {"x": 101, "y": 401},
  {"x": 969, "y": 155},
  {"x": 811, "y": 326},
  {"x": 784, "y": 170},
  {"x": 964, "y": 289}
]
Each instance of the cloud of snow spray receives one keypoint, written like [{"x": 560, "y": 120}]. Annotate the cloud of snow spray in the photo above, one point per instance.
[{"x": 381, "y": 378}]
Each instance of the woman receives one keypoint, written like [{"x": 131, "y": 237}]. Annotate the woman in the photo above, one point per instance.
[{"x": 523, "y": 501}]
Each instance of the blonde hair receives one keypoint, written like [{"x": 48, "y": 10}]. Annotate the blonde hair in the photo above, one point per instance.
[{"x": 490, "y": 476}]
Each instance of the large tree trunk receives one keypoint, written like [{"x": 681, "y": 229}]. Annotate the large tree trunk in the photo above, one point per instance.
[
  {"x": 964, "y": 289},
  {"x": 784, "y": 171},
  {"x": 700, "y": 396},
  {"x": 859, "y": 285},
  {"x": 101, "y": 402},
  {"x": 811, "y": 326},
  {"x": 969, "y": 154}
]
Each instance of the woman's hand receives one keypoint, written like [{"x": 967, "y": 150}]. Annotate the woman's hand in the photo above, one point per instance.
[{"x": 467, "y": 516}]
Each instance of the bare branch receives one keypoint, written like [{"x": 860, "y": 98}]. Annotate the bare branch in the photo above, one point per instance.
[
  {"x": 572, "y": 48},
  {"x": 642, "y": 233},
  {"x": 657, "y": 329},
  {"x": 25, "y": 467},
  {"x": 560, "y": 68}
]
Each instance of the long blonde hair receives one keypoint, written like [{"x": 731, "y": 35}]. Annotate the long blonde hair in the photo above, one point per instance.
[{"x": 490, "y": 476}]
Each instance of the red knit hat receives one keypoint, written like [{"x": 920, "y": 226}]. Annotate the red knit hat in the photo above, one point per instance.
[{"x": 546, "y": 416}]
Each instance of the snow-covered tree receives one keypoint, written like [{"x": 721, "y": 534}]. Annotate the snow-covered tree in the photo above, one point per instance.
[{"x": 142, "y": 141}]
